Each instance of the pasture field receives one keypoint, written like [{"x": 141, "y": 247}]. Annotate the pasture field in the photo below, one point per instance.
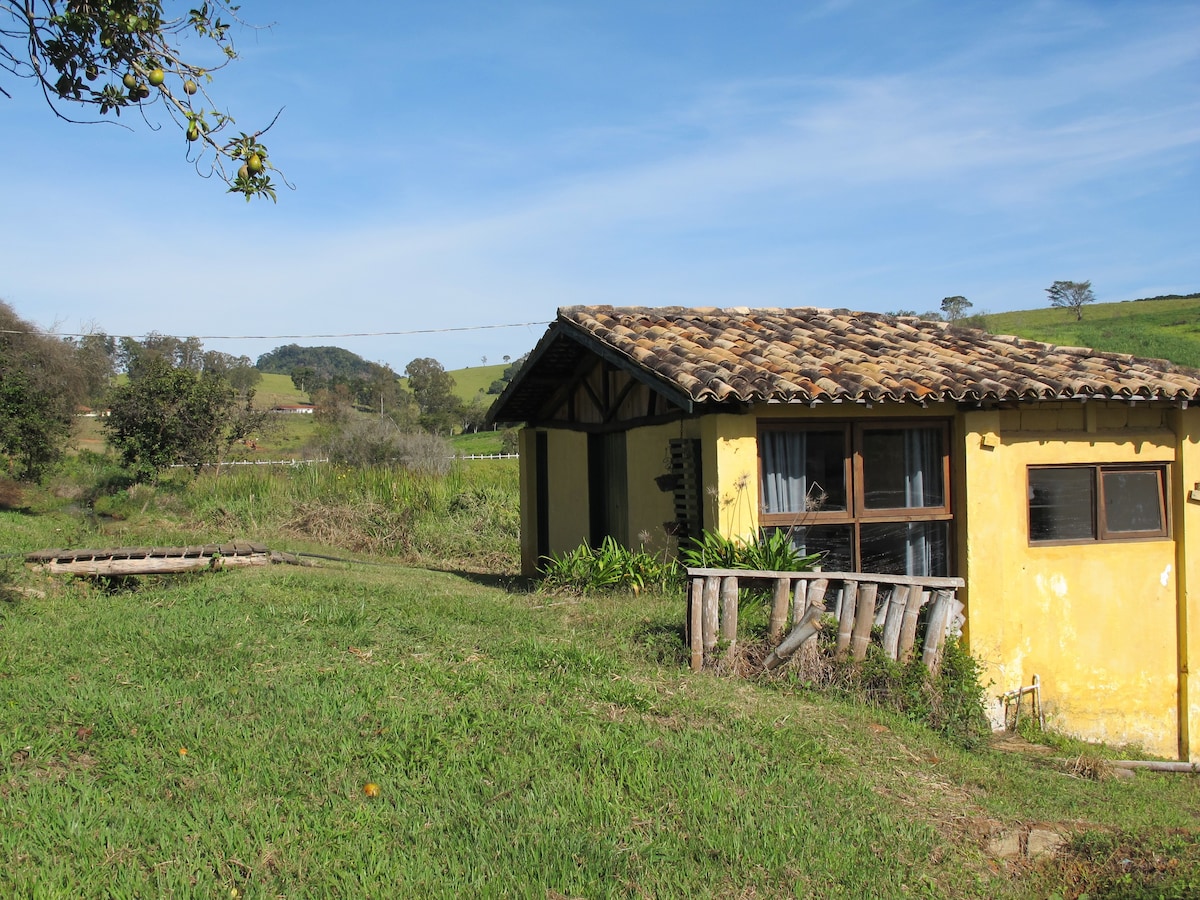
[{"x": 410, "y": 718}]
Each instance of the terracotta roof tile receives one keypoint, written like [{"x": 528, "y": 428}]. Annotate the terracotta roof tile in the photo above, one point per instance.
[{"x": 810, "y": 355}]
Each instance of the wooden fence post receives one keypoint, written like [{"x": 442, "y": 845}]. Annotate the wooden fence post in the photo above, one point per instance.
[
  {"x": 712, "y": 589},
  {"x": 895, "y": 619},
  {"x": 695, "y": 630},
  {"x": 846, "y": 615},
  {"x": 779, "y": 607},
  {"x": 806, "y": 628},
  {"x": 729, "y": 611},
  {"x": 917, "y": 598},
  {"x": 864, "y": 619},
  {"x": 935, "y": 634}
]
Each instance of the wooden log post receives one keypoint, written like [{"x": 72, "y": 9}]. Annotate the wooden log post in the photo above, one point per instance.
[
  {"x": 799, "y": 601},
  {"x": 912, "y": 617},
  {"x": 816, "y": 596},
  {"x": 695, "y": 631},
  {"x": 729, "y": 613},
  {"x": 779, "y": 608},
  {"x": 935, "y": 634},
  {"x": 712, "y": 592},
  {"x": 806, "y": 628},
  {"x": 864, "y": 619},
  {"x": 894, "y": 621},
  {"x": 846, "y": 615}
]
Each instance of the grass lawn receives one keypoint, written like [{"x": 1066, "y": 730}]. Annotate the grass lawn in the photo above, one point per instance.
[
  {"x": 197, "y": 735},
  {"x": 1160, "y": 329}
]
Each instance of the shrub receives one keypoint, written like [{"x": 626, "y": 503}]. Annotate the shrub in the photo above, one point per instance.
[
  {"x": 771, "y": 550},
  {"x": 950, "y": 702},
  {"x": 609, "y": 567}
]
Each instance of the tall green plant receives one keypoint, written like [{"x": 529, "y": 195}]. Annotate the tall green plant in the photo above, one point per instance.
[
  {"x": 769, "y": 551},
  {"x": 609, "y": 567}
]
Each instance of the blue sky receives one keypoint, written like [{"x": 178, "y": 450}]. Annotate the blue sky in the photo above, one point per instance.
[{"x": 468, "y": 164}]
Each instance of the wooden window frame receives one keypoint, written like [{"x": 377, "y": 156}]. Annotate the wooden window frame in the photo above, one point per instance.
[
  {"x": 1099, "y": 504},
  {"x": 857, "y": 513}
]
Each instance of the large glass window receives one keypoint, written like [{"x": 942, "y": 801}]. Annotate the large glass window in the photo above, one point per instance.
[
  {"x": 1074, "y": 504},
  {"x": 873, "y": 497}
]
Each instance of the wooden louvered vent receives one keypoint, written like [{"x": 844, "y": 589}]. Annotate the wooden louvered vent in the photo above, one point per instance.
[{"x": 685, "y": 467}]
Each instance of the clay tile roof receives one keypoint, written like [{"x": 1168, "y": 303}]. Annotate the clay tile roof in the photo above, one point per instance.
[{"x": 807, "y": 355}]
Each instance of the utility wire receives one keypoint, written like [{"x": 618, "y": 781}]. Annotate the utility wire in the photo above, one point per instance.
[{"x": 281, "y": 337}]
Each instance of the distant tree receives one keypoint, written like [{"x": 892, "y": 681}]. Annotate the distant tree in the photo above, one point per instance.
[
  {"x": 237, "y": 370},
  {"x": 105, "y": 56},
  {"x": 954, "y": 308},
  {"x": 179, "y": 353},
  {"x": 474, "y": 413},
  {"x": 433, "y": 388},
  {"x": 40, "y": 386},
  {"x": 305, "y": 379},
  {"x": 95, "y": 362},
  {"x": 334, "y": 409},
  {"x": 166, "y": 415},
  {"x": 1071, "y": 295},
  {"x": 498, "y": 386}
]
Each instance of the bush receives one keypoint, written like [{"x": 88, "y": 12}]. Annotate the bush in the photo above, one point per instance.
[
  {"x": 771, "y": 550},
  {"x": 950, "y": 702},
  {"x": 379, "y": 442},
  {"x": 609, "y": 567}
]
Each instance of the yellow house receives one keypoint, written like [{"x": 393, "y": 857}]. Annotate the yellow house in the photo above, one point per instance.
[{"x": 1062, "y": 484}]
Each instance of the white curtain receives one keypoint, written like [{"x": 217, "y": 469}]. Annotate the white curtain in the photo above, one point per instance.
[
  {"x": 784, "y": 483},
  {"x": 922, "y": 487}
]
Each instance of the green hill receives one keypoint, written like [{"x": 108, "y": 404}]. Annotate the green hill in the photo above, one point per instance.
[
  {"x": 470, "y": 381},
  {"x": 1161, "y": 328}
]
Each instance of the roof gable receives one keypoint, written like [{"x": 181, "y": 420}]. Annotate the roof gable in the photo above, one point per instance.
[{"x": 806, "y": 355}]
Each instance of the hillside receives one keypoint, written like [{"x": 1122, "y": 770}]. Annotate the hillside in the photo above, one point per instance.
[{"x": 1162, "y": 328}]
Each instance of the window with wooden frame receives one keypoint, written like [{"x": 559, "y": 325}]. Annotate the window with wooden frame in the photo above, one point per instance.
[
  {"x": 872, "y": 496},
  {"x": 1089, "y": 503}
]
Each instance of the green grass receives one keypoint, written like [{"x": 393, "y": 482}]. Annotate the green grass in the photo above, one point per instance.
[
  {"x": 274, "y": 390},
  {"x": 1159, "y": 329},
  {"x": 470, "y": 381},
  {"x": 522, "y": 747},
  {"x": 480, "y": 443},
  {"x": 526, "y": 745}
]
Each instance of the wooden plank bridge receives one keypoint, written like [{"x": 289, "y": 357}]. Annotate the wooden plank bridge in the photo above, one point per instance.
[{"x": 122, "y": 561}]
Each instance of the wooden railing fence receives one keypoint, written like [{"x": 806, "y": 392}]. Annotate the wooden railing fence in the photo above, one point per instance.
[{"x": 858, "y": 601}]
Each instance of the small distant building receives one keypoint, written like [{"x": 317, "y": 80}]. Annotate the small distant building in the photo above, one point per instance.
[{"x": 294, "y": 408}]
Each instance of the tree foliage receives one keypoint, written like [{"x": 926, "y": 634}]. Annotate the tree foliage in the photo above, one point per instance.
[
  {"x": 1071, "y": 295},
  {"x": 41, "y": 384},
  {"x": 103, "y": 57},
  {"x": 954, "y": 308},
  {"x": 498, "y": 386},
  {"x": 165, "y": 416},
  {"x": 433, "y": 388}
]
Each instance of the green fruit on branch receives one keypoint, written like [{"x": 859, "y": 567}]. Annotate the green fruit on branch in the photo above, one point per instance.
[
  {"x": 254, "y": 163},
  {"x": 157, "y": 77},
  {"x": 190, "y": 87},
  {"x": 130, "y": 80}
]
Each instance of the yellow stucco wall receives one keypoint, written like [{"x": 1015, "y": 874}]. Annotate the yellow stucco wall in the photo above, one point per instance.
[
  {"x": 647, "y": 456},
  {"x": 1186, "y": 424},
  {"x": 730, "y": 464},
  {"x": 1096, "y": 622},
  {"x": 567, "y": 479}
]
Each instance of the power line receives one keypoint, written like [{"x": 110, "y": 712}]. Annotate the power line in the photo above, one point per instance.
[{"x": 282, "y": 337}]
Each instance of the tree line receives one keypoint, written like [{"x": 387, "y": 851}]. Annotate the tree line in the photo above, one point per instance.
[{"x": 182, "y": 404}]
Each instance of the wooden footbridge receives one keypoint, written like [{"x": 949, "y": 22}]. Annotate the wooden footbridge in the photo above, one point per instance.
[{"x": 125, "y": 561}]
